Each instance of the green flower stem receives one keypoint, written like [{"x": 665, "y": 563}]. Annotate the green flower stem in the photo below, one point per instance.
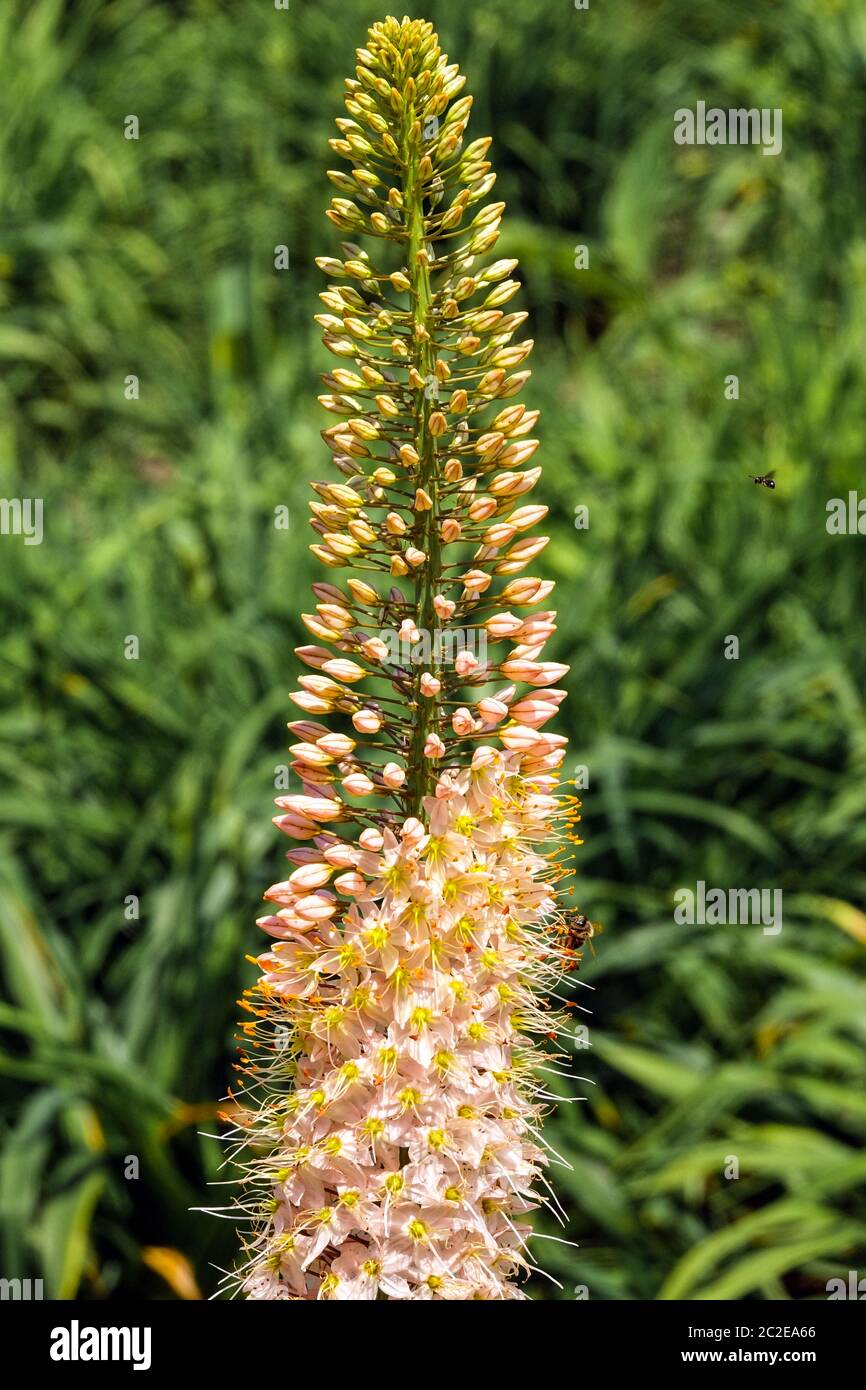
[{"x": 419, "y": 775}]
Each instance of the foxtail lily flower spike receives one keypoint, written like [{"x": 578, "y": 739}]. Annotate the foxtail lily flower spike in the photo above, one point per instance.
[{"x": 388, "y": 1125}]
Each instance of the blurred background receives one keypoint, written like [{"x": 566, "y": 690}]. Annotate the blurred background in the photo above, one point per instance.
[{"x": 151, "y": 779}]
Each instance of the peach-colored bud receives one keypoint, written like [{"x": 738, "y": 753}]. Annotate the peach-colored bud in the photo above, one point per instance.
[
  {"x": 310, "y": 754},
  {"x": 415, "y": 557},
  {"x": 453, "y": 471},
  {"x": 316, "y": 907},
  {"x": 316, "y": 627},
  {"x": 335, "y": 615},
  {"x": 533, "y": 672},
  {"x": 553, "y": 741},
  {"x": 476, "y": 581},
  {"x": 524, "y": 517},
  {"x": 482, "y": 508},
  {"x": 518, "y": 453},
  {"x": 527, "y": 590},
  {"x": 413, "y": 831},
  {"x": 278, "y": 926},
  {"x": 408, "y": 631},
  {"x": 321, "y": 686},
  {"x": 450, "y": 531},
  {"x": 356, "y": 784},
  {"x": 343, "y": 670},
  {"x": 393, "y": 775},
  {"x": 434, "y": 747},
  {"x": 338, "y": 745},
  {"x": 314, "y": 656},
  {"x": 342, "y": 855},
  {"x": 492, "y": 710},
  {"x": 533, "y": 712},
  {"x": 423, "y": 500},
  {"x": 312, "y": 777},
  {"x": 514, "y": 484},
  {"x": 352, "y": 884},
  {"x": 313, "y": 704},
  {"x": 489, "y": 445},
  {"x": 304, "y": 854},
  {"x": 298, "y": 827},
  {"x": 444, "y": 607},
  {"x": 362, "y": 592},
  {"x": 371, "y": 840},
  {"x": 503, "y": 625},
  {"x": 395, "y": 525},
  {"x": 366, "y": 721},
  {"x": 374, "y": 649},
  {"x": 462, "y": 721},
  {"x": 538, "y": 628},
  {"x": 315, "y": 808},
  {"x": 527, "y": 652},
  {"x": 465, "y": 663},
  {"x": 526, "y": 549},
  {"x": 310, "y": 876},
  {"x": 519, "y": 737},
  {"x": 430, "y": 685}
]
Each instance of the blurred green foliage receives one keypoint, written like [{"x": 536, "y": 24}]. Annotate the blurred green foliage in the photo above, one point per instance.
[{"x": 153, "y": 777}]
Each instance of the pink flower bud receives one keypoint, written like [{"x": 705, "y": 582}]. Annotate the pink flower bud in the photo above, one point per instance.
[
  {"x": 366, "y": 721},
  {"x": 374, "y": 649},
  {"x": 413, "y": 832},
  {"x": 338, "y": 745},
  {"x": 525, "y": 591},
  {"x": 316, "y": 907},
  {"x": 310, "y": 876},
  {"x": 444, "y": 607},
  {"x": 476, "y": 581},
  {"x": 353, "y": 884},
  {"x": 462, "y": 721},
  {"x": 356, "y": 784},
  {"x": 533, "y": 672},
  {"x": 491, "y": 710},
  {"x": 342, "y": 855},
  {"x": 503, "y": 625},
  {"x": 314, "y": 808}
]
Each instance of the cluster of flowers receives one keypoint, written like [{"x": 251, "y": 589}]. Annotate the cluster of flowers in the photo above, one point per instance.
[{"x": 389, "y": 1130}]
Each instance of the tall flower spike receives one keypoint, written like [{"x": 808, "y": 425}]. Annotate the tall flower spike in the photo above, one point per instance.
[{"x": 389, "y": 1138}]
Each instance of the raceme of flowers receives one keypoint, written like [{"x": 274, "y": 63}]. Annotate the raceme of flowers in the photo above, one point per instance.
[{"x": 387, "y": 1123}]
